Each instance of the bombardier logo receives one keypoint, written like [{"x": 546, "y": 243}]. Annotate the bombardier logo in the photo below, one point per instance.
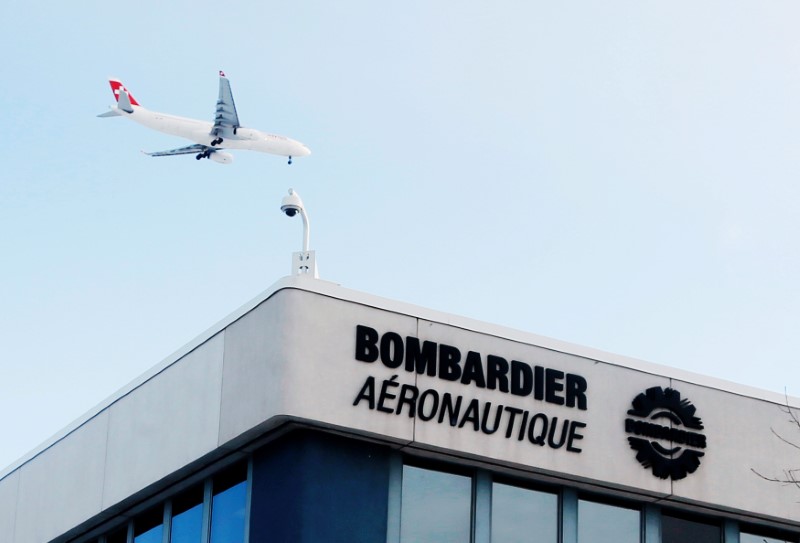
[{"x": 663, "y": 432}]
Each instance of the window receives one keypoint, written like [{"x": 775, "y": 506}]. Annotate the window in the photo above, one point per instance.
[
  {"x": 436, "y": 506},
  {"x": 187, "y": 517},
  {"x": 603, "y": 523},
  {"x": 228, "y": 506},
  {"x": 118, "y": 536},
  {"x": 517, "y": 513},
  {"x": 219, "y": 504},
  {"x": 680, "y": 530},
  {"x": 148, "y": 527},
  {"x": 753, "y": 538}
]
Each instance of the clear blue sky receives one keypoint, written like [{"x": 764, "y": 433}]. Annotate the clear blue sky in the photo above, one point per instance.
[{"x": 618, "y": 174}]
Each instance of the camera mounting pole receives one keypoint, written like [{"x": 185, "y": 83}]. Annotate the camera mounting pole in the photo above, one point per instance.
[{"x": 303, "y": 262}]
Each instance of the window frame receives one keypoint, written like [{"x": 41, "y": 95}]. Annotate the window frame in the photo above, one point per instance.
[{"x": 205, "y": 481}]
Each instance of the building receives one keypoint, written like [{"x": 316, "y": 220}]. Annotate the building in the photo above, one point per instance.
[{"x": 320, "y": 414}]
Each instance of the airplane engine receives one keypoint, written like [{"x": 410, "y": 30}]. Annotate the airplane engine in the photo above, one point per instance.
[{"x": 222, "y": 157}]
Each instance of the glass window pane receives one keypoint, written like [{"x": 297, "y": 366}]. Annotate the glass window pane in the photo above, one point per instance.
[
  {"x": 119, "y": 536},
  {"x": 679, "y": 530},
  {"x": 603, "y": 523},
  {"x": 148, "y": 527},
  {"x": 187, "y": 517},
  {"x": 228, "y": 506},
  {"x": 752, "y": 538},
  {"x": 435, "y": 506},
  {"x": 518, "y": 513}
]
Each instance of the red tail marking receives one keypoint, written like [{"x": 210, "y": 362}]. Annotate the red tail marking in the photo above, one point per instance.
[{"x": 116, "y": 85}]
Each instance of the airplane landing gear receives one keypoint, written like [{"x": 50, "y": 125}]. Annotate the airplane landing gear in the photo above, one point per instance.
[
  {"x": 216, "y": 142},
  {"x": 204, "y": 154},
  {"x": 290, "y": 160}
]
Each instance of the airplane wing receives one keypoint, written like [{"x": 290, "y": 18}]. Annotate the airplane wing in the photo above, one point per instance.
[
  {"x": 226, "y": 120},
  {"x": 191, "y": 149},
  {"x": 203, "y": 151}
]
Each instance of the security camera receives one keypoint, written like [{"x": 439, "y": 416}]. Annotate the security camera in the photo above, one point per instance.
[
  {"x": 292, "y": 204},
  {"x": 302, "y": 262}
]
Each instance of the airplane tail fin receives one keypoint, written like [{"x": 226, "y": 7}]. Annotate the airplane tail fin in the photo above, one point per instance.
[{"x": 121, "y": 93}]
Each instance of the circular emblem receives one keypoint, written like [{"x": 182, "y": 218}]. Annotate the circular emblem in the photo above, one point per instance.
[{"x": 665, "y": 433}]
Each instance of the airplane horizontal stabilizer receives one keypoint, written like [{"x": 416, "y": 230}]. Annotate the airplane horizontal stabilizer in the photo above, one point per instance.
[{"x": 110, "y": 113}]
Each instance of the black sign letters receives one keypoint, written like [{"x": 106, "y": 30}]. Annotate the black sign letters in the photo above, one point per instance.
[{"x": 410, "y": 356}]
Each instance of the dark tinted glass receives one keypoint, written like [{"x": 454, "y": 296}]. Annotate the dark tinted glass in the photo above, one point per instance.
[
  {"x": 517, "y": 513},
  {"x": 604, "y": 523},
  {"x": 752, "y": 538},
  {"x": 228, "y": 506},
  {"x": 436, "y": 506},
  {"x": 118, "y": 536},
  {"x": 187, "y": 517},
  {"x": 148, "y": 527},
  {"x": 681, "y": 530}
]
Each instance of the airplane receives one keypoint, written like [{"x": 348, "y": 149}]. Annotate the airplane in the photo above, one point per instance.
[{"x": 210, "y": 138}]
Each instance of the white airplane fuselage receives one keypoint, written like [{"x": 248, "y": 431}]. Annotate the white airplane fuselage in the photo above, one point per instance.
[
  {"x": 210, "y": 139},
  {"x": 248, "y": 139}
]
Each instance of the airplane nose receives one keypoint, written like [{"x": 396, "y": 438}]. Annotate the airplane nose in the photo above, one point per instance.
[{"x": 304, "y": 151}]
